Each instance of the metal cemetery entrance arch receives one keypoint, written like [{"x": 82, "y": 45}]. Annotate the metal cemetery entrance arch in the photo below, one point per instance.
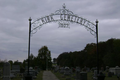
[{"x": 64, "y": 17}]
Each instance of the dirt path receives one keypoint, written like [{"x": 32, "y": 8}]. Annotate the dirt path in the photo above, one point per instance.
[{"x": 48, "y": 75}]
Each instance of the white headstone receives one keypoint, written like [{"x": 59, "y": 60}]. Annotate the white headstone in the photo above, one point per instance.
[
  {"x": 6, "y": 71},
  {"x": 115, "y": 70}
]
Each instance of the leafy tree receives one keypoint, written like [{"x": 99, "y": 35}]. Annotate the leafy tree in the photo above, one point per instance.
[
  {"x": 1, "y": 64},
  {"x": 44, "y": 58},
  {"x": 32, "y": 60},
  {"x": 109, "y": 59},
  {"x": 17, "y": 62},
  {"x": 11, "y": 62},
  {"x": 109, "y": 55},
  {"x": 54, "y": 60}
]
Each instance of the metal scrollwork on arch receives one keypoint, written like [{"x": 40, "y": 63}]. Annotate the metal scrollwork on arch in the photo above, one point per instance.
[
  {"x": 63, "y": 11},
  {"x": 64, "y": 17}
]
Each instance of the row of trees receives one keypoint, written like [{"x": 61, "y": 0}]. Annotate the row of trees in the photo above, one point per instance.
[
  {"x": 109, "y": 55},
  {"x": 42, "y": 60},
  {"x": 11, "y": 62}
]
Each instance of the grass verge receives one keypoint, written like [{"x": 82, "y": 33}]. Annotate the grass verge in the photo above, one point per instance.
[
  {"x": 62, "y": 77},
  {"x": 40, "y": 76},
  {"x": 89, "y": 76}
]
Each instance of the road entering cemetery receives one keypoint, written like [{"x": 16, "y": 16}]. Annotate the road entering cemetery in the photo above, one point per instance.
[{"x": 48, "y": 75}]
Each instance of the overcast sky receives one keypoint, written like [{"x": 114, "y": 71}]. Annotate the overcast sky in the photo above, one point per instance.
[{"x": 14, "y": 26}]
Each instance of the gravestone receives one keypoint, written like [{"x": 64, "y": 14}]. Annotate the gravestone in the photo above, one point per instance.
[
  {"x": 83, "y": 76},
  {"x": 15, "y": 68},
  {"x": 33, "y": 73},
  {"x": 28, "y": 77},
  {"x": 62, "y": 70},
  {"x": 95, "y": 75},
  {"x": 88, "y": 69},
  {"x": 56, "y": 69},
  {"x": 77, "y": 70},
  {"x": 94, "y": 68},
  {"x": 101, "y": 76},
  {"x": 12, "y": 75},
  {"x": 107, "y": 69},
  {"x": 6, "y": 71},
  {"x": 115, "y": 70},
  {"x": 67, "y": 72}
]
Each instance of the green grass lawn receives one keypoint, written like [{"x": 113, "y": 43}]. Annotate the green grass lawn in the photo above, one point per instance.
[
  {"x": 110, "y": 78},
  {"x": 40, "y": 76},
  {"x": 89, "y": 76}
]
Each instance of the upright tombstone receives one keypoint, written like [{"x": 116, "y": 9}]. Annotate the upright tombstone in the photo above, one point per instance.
[
  {"x": 16, "y": 68},
  {"x": 115, "y": 70},
  {"x": 62, "y": 70},
  {"x": 67, "y": 71},
  {"x": 77, "y": 73},
  {"x": 83, "y": 75},
  {"x": 6, "y": 71},
  {"x": 107, "y": 69},
  {"x": 95, "y": 75},
  {"x": 56, "y": 68}
]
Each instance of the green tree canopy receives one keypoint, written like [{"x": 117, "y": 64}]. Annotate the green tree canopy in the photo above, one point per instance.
[
  {"x": 44, "y": 57},
  {"x": 109, "y": 55}
]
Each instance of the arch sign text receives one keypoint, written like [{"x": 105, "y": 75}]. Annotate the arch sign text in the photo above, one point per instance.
[{"x": 64, "y": 17}]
